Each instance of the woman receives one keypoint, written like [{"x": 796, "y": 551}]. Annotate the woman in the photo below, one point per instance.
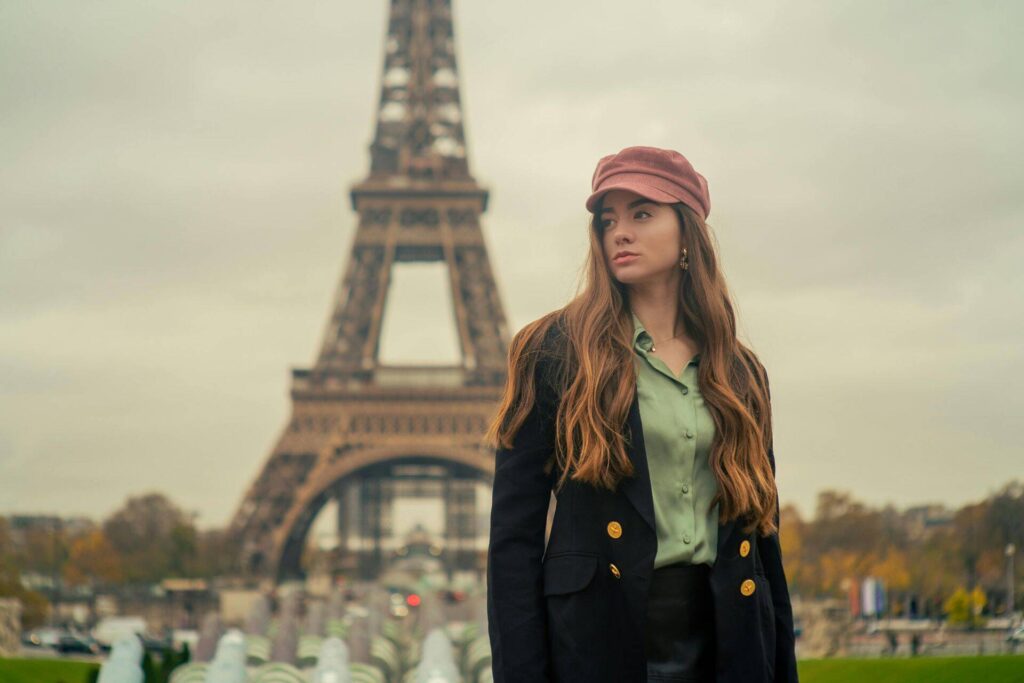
[{"x": 651, "y": 423}]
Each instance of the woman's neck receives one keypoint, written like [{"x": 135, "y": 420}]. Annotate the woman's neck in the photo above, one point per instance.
[{"x": 657, "y": 307}]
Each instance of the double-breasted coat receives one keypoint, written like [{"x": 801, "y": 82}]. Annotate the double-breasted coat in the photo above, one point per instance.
[{"x": 575, "y": 610}]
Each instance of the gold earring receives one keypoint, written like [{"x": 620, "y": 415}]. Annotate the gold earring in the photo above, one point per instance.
[{"x": 684, "y": 262}]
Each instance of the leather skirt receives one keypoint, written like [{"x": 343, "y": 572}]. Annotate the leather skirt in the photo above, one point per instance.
[{"x": 680, "y": 633}]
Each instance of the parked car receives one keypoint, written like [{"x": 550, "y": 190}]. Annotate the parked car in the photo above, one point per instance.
[
  {"x": 42, "y": 637},
  {"x": 156, "y": 644},
  {"x": 70, "y": 642}
]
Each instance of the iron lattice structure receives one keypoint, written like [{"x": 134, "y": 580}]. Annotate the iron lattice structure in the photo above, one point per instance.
[{"x": 362, "y": 432}]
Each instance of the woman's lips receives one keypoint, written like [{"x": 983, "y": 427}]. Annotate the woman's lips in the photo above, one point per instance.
[{"x": 625, "y": 258}]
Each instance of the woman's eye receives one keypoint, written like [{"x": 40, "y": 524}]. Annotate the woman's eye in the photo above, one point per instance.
[
  {"x": 640, "y": 212},
  {"x": 605, "y": 225}
]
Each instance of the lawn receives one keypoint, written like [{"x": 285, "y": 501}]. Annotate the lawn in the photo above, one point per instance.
[
  {"x": 989, "y": 669},
  {"x": 44, "y": 671},
  {"x": 984, "y": 669}
]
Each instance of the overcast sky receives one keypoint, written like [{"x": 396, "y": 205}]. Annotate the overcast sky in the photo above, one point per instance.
[{"x": 174, "y": 220}]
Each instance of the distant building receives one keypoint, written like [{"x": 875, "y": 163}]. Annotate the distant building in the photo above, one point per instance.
[
  {"x": 924, "y": 520},
  {"x": 23, "y": 526}
]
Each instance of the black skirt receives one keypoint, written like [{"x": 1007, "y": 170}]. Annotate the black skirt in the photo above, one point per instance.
[{"x": 680, "y": 633}]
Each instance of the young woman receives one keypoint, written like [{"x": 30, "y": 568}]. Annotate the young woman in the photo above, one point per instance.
[{"x": 638, "y": 407}]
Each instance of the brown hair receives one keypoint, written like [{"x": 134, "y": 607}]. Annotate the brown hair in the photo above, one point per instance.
[{"x": 596, "y": 379}]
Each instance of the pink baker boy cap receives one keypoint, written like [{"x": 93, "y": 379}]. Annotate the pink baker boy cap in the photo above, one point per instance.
[{"x": 662, "y": 175}]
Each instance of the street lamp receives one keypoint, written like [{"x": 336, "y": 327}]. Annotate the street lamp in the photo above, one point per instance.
[{"x": 1011, "y": 550}]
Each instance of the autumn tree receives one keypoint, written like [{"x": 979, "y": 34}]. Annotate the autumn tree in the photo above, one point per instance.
[
  {"x": 43, "y": 549},
  {"x": 965, "y": 608},
  {"x": 154, "y": 538},
  {"x": 34, "y": 606},
  {"x": 217, "y": 553},
  {"x": 92, "y": 560}
]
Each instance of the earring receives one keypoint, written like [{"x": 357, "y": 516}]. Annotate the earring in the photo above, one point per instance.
[{"x": 684, "y": 262}]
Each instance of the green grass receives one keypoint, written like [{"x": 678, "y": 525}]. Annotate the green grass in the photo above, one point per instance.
[
  {"x": 44, "y": 671},
  {"x": 986, "y": 669},
  {"x": 983, "y": 669}
]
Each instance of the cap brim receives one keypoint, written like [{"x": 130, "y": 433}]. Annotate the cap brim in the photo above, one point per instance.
[{"x": 652, "y": 193}]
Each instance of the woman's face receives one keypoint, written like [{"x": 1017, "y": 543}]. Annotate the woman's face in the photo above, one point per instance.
[{"x": 647, "y": 229}]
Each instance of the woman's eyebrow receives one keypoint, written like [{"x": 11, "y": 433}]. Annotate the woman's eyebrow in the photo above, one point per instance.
[{"x": 637, "y": 202}]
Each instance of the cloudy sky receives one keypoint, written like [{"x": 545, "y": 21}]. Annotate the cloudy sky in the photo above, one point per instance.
[{"x": 174, "y": 220}]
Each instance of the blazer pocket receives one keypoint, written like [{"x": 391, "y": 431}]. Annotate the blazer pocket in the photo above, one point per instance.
[{"x": 568, "y": 572}]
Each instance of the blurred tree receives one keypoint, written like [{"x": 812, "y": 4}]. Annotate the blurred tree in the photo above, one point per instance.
[
  {"x": 93, "y": 560},
  {"x": 791, "y": 538},
  {"x": 971, "y": 539},
  {"x": 216, "y": 553},
  {"x": 958, "y": 607},
  {"x": 1005, "y": 518},
  {"x": 931, "y": 573},
  {"x": 6, "y": 543},
  {"x": 34, "y": 606},
  {"x": 892, "y": 569},
  {"x": 978, "y": 603},
  {"x": 840, "y": 522},
  {"x": 182, "y": 549},
  {"x": 151, "y": 534},
  {"x": 965, "y": 608},
  {"x": 43, "y": 550},
  {"x": 839, "y": 565}
]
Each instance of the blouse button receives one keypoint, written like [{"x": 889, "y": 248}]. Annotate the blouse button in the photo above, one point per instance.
[{"x": 685, "y": 389}]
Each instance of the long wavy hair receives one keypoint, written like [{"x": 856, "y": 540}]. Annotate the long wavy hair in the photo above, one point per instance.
[{"x": 596, "y": 380}]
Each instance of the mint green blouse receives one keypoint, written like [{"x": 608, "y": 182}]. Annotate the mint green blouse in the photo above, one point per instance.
[{"x": 678, "y": 430}]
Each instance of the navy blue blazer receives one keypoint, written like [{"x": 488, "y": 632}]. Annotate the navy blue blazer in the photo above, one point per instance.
[{"x": 564, "y": 614}]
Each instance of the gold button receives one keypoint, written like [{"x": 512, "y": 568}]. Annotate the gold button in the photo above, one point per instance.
[
  {"x": 614, "y": 529},
  {"x": 747, "y": 587},
  {"x": 615, "y": 570},
  {"x": 744, "y": 548}
]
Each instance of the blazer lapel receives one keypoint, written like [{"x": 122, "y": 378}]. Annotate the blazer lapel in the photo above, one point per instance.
[
  {"x": 725, "y": 532},
  {"x": 638, "y": 487}
]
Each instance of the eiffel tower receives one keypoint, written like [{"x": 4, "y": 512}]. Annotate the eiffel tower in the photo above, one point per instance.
[{"x": 362, "y": 432}]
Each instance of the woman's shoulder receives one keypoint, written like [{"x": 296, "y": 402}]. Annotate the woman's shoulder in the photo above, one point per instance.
[
  {"x": 543, "y": 346},
  {"x": 543, "y": 335},
  {"x": 555, "y": 346},
  {"x": 754, "y": 365},
  {"x": 557, "y": 333}
]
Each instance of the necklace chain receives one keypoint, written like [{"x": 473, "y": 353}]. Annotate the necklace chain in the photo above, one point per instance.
[{"x": 654, "y": 344}]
